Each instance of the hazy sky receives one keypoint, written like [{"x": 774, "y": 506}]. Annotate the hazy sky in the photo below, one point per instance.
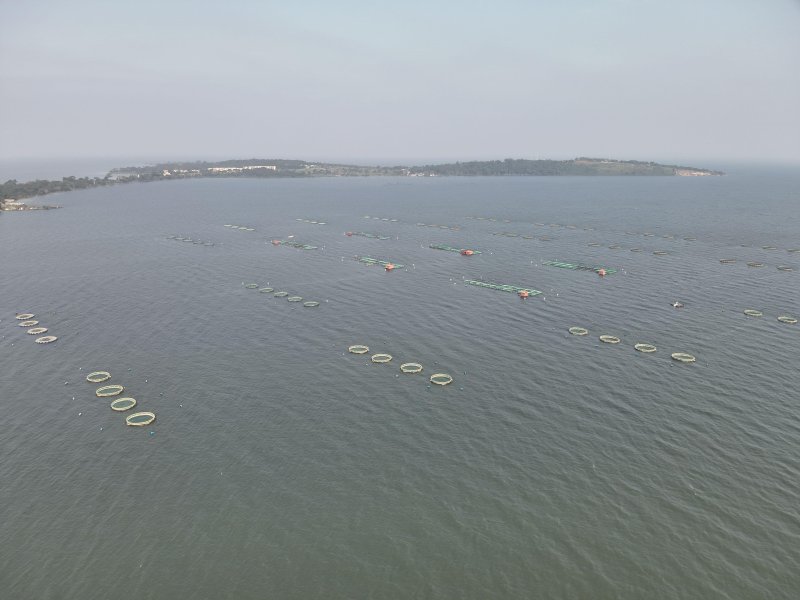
[{"x": 406, "y": 81}]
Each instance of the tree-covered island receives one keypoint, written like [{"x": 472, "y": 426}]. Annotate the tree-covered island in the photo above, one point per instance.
[{"x": 12, "y": 191}]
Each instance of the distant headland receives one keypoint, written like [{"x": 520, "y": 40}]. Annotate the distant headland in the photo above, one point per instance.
[{"x": 12, "y": 191}]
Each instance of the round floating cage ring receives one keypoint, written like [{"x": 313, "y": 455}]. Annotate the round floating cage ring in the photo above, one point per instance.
[
  {"x": 755, "y": 264},
  {"x": 787, "y": 319},
  {"x": 784, "y": 268},
  {"x": 251, "y": 286},
  {"x": 46, "y": 339},
  {"x": 441, "y": 379},
  {"x": 294, "y": 299},
  {"x": 310, "y": 303},
  {"x": 683, "y": 357},
  {"x": 727, "y": 261},
  {"x": 28, "y": 323},
  {"x": 609, "y": 339},
  {"x": 578, "y": 331},
  {"x": 751, "y": 312},
  {"x": 358, "y": 349},
  {"x": 36, "y": 330},
  {"x": 25, "y": 316},
  {"x": 660, "y": 253},
  {"x": 266, "y": 290},
  {"x": 98, "y": 377},
  {"x": 411, "y": 368},
  {"x": 140, "y": 419},
  {"x": 123, "y": 404},
  {"x": 109, "y": 390},
  {"x": 381, "y": 358},
  {"x": 646, "y": 348},
  {"x": 281, "y": 294}
]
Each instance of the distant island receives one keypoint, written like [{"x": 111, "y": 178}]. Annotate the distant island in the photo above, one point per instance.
[{"x": 12, "y": 191}]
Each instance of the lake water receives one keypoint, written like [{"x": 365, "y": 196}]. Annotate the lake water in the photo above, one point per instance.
[{"x": 282, "y": 466}]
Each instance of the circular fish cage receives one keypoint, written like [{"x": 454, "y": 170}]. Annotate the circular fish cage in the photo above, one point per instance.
[
  {"x": 646, "y": 348},
  {"x": 609, "y": 339},
  {"x": 787, "y": 319},
  {"x": 660, "y": 252},
  {"x": 784, "y": 268},
  {"x": 140, "y": 419},
  {"x": 441, "y": 379},
  {"x": 636, "y": 249},
  {"x": 683, "y": 357},
  {"x": 727, "y": 261},
  {"x": 109, "y": 390},
  {"x": 46, "y": 339},
  {"x": 28, "y": 323},
  {"x": 98, "y": 377},
  {"x": 266, "y": 290},
  {"x": 294, "y": 299},
  {"x": 123, "y": 404},
  {"x": 755, "y": 264},
  {"x": 251, "y": 286},
  {"x": 768, "y": 248},
  {"x": 280, "y": 294},
  {"x": 578, "y": 331},
  {"x": 751, "y": 312},
  {"x": 381, "y": 358},
  {"x": 24, "y": 316},
  {"x": 310, "y": 303},
  {"x": 36, "y": 330},
  {"x": 358, "y": 349},
  {"x": 411, "y": 368}
]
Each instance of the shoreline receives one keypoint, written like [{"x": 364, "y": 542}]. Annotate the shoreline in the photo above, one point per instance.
[{"x": 13, "y": 192}]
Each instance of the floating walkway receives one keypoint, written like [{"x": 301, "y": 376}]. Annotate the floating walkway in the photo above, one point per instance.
[
  {"x": 368, "y": 260},
  {"x": 524, "y": 236},
  {"x": 462, "y": 251},
  {"x": 387, "y": 219},
  {"x": 293, "y": 244},
  {"x": 179, "y": 238},
  {"x": 502, "y": 287},
  {"x": 579, "y": 267},
  {"x": 311, "y": 221},
  {"x": 372, "y": 236},
  {"x": 449, "y": 227}
]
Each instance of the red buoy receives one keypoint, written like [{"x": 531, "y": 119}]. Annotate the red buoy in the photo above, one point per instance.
[{"x": 467, "y": 252}]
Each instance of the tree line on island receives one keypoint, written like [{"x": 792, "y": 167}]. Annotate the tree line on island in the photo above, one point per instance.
[{"x": 13, "y": 190}]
